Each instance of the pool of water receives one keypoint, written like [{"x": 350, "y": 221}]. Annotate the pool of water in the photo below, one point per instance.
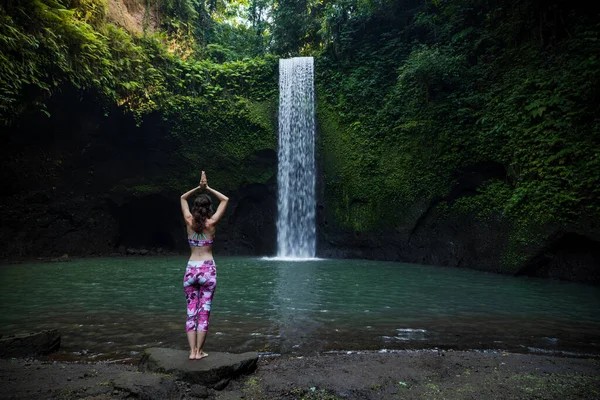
[{"x": 113, "y": 308}]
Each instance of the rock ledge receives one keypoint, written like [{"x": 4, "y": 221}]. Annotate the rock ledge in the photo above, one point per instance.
[{"x": 214, "y": 371}]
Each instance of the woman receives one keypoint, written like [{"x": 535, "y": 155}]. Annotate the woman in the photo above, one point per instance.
[{"x": 200, "y": 277}]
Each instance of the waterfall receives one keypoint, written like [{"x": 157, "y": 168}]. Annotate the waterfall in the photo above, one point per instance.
[{"x": 296, "y": 173}]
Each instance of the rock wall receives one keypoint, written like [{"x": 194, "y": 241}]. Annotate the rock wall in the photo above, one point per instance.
[
  {"x": 426, "y": 236},
  {"x": 134, "y": 16},
  {"x": 88, "y": 181},
  {"x": 421, "y": 234},
  {"x": 439, "y": 230}
]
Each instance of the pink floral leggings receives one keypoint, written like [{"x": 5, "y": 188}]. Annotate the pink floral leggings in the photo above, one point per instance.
[{"x": 199, "y": 284}]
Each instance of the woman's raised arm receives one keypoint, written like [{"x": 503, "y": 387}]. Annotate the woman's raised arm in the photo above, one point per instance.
[
  {"x": 185, "y": 207},
  {"x": 223, "y": 200}
]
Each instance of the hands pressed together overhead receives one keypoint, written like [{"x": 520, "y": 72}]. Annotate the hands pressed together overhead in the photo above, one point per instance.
[{"x": 203, "y": 181}]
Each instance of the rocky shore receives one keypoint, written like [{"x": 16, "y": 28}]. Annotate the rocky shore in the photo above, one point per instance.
[{"x": 421, "y": 374}]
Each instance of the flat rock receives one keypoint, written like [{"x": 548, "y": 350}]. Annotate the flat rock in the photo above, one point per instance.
[
  {"x": 29, "y": 344},
  {"x": 212, "y": 371}
]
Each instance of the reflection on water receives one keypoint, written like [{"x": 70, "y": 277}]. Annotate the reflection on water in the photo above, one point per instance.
[
  {"x": 296, "y": 298},
  {"x": 114, "y": 308}
]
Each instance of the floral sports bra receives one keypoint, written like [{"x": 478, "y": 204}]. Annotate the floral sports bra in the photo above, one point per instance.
[{"x": 200, "y": 240}]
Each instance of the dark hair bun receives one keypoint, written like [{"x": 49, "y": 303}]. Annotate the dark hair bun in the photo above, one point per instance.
[{"x": 201, "y": 211}]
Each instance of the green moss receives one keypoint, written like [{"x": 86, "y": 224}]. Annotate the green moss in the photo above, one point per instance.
[
  {"x": 354, "y": 201},
  {"x": 142, "y": 190},
  {"x": 252, "y": 388},
  {"x": 489, "y": 201},
  {"x": 556, "y": 386},
  {"x": 315, "y": 394},
  {"x": 369, "y": 181},
  {"x": 522, "y": 239},
  {"x": 262, "y": 114}
]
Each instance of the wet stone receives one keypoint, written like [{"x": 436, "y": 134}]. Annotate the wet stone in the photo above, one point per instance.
[
  {"x": 32, "y": 344},
  {"x": 214, "y": 371}
]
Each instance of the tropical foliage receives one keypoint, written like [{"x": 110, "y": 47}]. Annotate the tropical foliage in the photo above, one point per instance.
[{"x": 411, "y": 94}]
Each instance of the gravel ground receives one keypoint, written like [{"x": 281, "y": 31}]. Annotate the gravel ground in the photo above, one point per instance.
[{"x": 421, "y": 374}]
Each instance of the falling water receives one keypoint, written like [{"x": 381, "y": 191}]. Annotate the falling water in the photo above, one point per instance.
[{"x": 296, "y": 175}]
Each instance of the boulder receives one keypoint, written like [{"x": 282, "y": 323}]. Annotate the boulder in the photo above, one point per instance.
[
  {"x": 199, "y": 391},
  {"x": 30, "y": 344},
  {"x": 63, "y": 258},
  {"x": 214, "y": 371}
]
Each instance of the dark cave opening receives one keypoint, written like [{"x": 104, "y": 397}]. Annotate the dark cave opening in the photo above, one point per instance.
[
  {"x": 151, "y": 221},
  {"x": 569, "y": 256},
  {"x": 469, "y": 179}
]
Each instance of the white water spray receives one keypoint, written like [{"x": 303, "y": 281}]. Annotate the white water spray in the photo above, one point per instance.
[{"x": 296, "y": 174}]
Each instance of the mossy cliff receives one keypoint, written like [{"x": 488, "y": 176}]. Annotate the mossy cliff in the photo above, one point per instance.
[
  {"x": 90, "y": 180},
  {"x": 105, "y": 128},
  {"x": 460, "y": 133},
  {"x": 364, "y": 211},
  {"x": 467, "y": 136}
]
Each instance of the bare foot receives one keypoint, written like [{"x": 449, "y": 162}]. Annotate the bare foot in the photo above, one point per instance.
[
  {"x": 200, "y": 355},
  {"x": 192, "y": 354}
]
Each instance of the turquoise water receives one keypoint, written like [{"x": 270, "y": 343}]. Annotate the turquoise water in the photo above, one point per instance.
[{"x": 113, "y": 308}]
